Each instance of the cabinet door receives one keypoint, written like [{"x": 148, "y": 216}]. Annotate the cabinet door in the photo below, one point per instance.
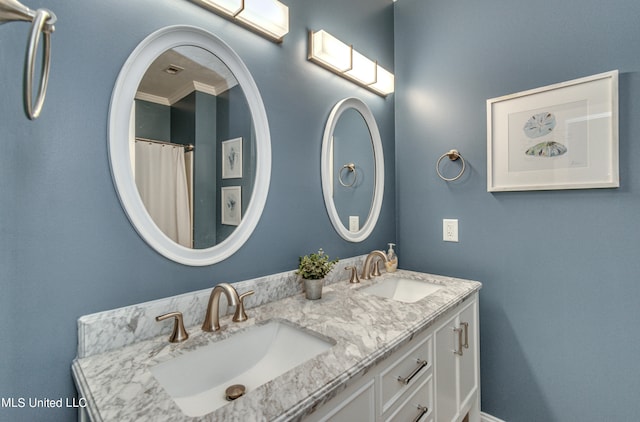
[
  {"x": 445, "y": 371},
  {"x": 456, "y": 364},
  {"x": 468, "y": 368}
]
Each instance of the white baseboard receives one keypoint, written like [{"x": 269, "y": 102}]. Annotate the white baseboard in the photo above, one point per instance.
[{"x": 484, "y": 417}]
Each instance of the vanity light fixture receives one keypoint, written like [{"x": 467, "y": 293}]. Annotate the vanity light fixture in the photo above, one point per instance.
[
  {"x": 269, "y": 18},
  {"x": 329, "y": 52}
]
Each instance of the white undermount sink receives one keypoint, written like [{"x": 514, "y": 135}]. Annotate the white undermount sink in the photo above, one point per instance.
[
  {"x": 197, "y": 380},
  {"x": 402, "y": 289}
]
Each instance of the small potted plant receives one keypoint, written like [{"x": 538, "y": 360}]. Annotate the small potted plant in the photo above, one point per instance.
[{"x": 313, "y": 269}]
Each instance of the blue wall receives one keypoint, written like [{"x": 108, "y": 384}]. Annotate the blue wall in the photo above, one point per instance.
[
  {"x": 234, "y": 121},
  {"x": 559, "y": 307},
  {"x": 67, "y": 248},
  {"x": 352, "y": 144}
]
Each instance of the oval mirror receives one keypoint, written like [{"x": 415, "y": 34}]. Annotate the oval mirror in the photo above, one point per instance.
[
  {"x": 189, "y": 145},
  {"x": 352, "y": 168}
]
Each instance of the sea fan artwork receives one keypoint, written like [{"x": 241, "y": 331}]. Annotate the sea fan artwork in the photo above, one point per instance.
[
  {"x": 232, "y": 157},
  {"x": 547, "y": 149},
  {"x": 540, "y": 124},
  {"x": 231, "y": 205}
]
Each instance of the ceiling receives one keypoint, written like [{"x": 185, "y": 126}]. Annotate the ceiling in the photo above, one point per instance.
[{"x": 178, "y": 72}]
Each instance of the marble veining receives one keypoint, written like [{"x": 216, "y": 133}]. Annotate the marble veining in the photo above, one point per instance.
[
  {"x": 366, "y": 329},
  {"x": 110, "y": 330}
]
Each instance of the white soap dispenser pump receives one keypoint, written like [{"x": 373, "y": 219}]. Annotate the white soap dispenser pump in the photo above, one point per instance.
[{"x": 392, "y": 259}]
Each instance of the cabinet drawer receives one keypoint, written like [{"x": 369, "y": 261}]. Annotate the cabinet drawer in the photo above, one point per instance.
[
  {"x": 406, "y": 372},
  {"x": 418, "y": 406},
  {"x": 356, "y": 404}
]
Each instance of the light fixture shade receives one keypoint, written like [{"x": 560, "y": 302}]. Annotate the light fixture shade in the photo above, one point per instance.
[
  {"x": 363, "y": 69},
  {"x": 385, "y": 84},
  {"x": 226, "y": 7},
  {"x": 330, "y": 51},
  {"x": 269, "y": 16}
]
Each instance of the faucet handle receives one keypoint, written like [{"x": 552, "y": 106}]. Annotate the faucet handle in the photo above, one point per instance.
[
  {"x": 376, "y": 268},
  {"x": 240, "y": 315},
  {"x": 179, "y": 334},
  {"x": 354, "y": 274}
]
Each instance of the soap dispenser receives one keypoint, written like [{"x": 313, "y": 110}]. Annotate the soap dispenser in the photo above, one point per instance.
[{"x": 392, "y": 259}]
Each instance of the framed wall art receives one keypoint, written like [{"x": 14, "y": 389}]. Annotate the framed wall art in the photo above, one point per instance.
[
  {"x": 231, "y": 205},
  {"x": 232, "y": 159},
  {"x": 562, "y": 136}
]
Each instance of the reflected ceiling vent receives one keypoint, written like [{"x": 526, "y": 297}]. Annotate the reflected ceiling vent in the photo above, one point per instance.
[{"x": 173, "y": 69}]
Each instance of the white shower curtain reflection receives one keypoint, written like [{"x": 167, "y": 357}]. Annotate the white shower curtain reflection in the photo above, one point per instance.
[{"x": 161, "y": 178}]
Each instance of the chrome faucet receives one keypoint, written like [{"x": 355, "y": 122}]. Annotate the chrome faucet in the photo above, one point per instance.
[
  {"x": 371, "y": 262},
  {"x": 212, "y": 318}
]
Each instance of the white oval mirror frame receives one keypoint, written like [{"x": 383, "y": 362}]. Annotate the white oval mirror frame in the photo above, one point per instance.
[
  {"x": 326, "y": 169},
  {"x": 122, "y": 102}
]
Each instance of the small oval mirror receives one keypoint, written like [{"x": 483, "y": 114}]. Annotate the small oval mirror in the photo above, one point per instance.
[
  {"x": 352, "y": 167},
  {"x": 185, "y": 99}
]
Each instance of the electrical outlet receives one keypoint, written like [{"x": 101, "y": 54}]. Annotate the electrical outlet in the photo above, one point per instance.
[{"x": 450, "y": 230}]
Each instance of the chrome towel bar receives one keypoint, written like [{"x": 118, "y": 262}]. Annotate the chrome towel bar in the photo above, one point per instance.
[{"x": 43, "y": 21}]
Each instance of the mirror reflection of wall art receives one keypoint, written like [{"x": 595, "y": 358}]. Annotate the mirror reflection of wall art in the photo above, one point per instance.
[
  {"x": 232, "y": 159},
  {"x": 231, "y": 205},
  {"x": 562, "y": 136}
]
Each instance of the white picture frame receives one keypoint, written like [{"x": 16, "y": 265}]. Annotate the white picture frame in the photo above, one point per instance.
[
  {"x": 562, "y": 136},
  {"x": 232, "y": 159},
  {"x": 231, "y": 205}
]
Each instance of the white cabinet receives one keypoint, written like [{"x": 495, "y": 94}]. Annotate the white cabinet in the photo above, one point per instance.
[
  {"x": 399, "y": 388},
  {"x": 353, "y": 406},
  {"x": 456, "y": 369},
  {"x": 435, "y": 377}
]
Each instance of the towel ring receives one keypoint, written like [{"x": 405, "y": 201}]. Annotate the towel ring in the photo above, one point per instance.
[
  {"x": 43, "y": 21},
  {"x": 453, "y": 156},
  {"x": 351, "y": 167}
]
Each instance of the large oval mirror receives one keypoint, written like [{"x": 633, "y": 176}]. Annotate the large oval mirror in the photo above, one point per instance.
[
  {"x": 189, "y": 145},
  {"x": 352, "y": 169}
]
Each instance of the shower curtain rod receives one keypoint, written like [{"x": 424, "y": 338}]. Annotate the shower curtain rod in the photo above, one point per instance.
[{"x": 187, "y": 147}]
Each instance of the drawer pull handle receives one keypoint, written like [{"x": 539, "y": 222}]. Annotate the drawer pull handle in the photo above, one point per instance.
[
  {"x": 423, "y": 411},
  {"x": 458, "y": 351},
  {"x": 421, "y": 365},
  {"x": 466, "y": 334},
  {"x": 464, "y": 326}
]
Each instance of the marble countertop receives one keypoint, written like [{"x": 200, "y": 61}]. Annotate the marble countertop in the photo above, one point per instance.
[{"x": 119, "y": 386}]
